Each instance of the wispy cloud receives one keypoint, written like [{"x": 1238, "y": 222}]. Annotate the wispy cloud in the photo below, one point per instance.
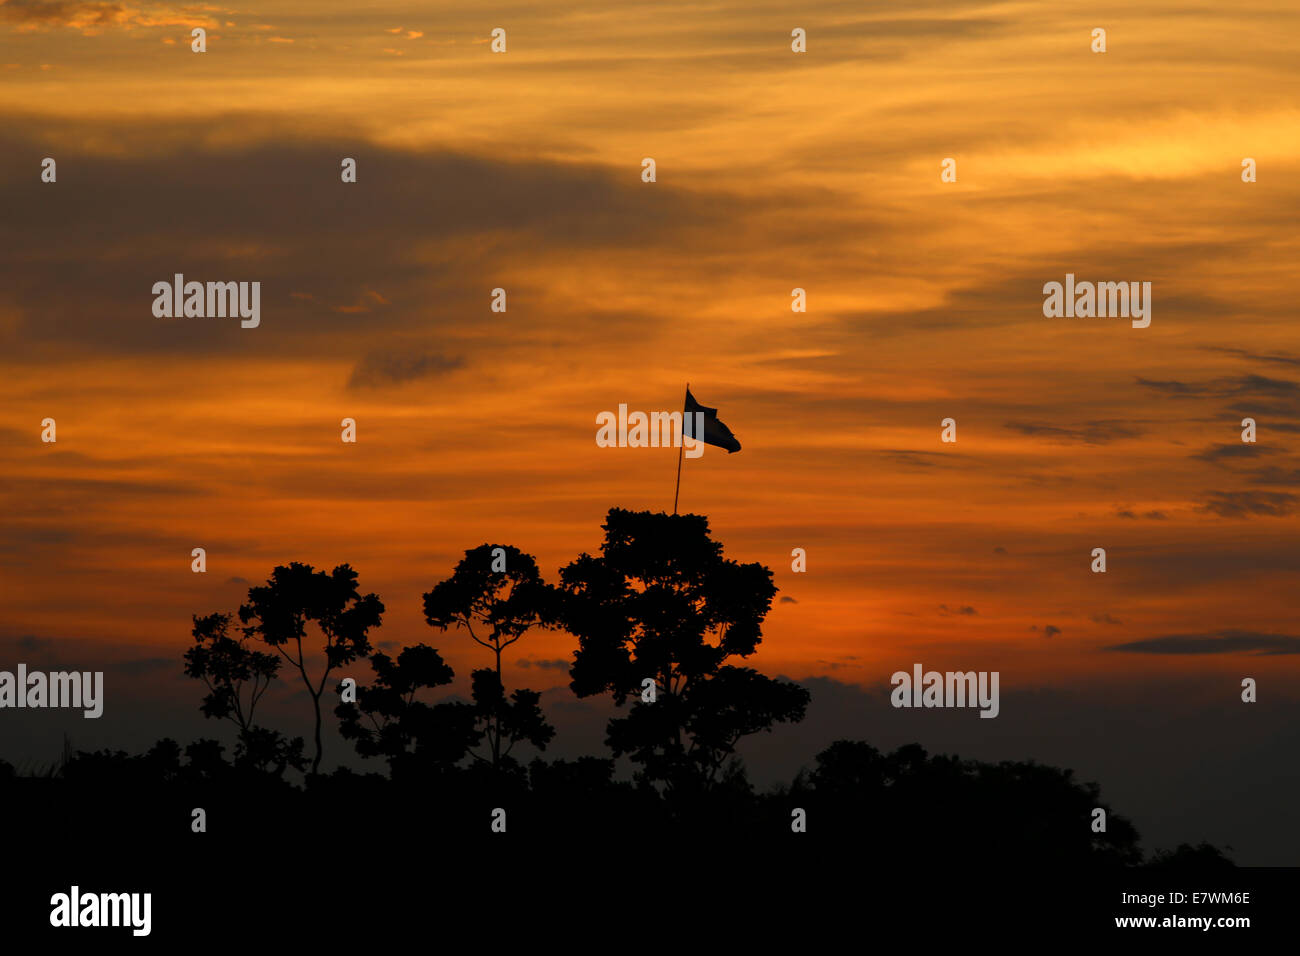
[
  {"x": 1243, "y": 504},
  {"x": 93, "y": 18},
  {"x": 1090, "y": 433},
  {"x": 395, "y": 368},
  {"x": 1214, "y": 642},
  {"x": 1232, "y": 452},
  {"x": 1289, "y": 360},
  {"x": 961, "y": 611}
]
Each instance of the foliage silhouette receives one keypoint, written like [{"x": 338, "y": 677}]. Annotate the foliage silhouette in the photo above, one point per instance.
[
  {"x": 417, "y": 738},
  {"x": 501, "y": 606},
  {"x": 908, "y": 802},
  {"x": 661, "y": 603},
  {"x": 1203, "y": 857},
  {"x": 229, "y": 667},
  {"x": 297, "y": 594}
]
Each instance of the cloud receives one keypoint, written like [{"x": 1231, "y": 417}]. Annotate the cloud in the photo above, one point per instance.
[
  {"x": 1258, "y": 385},
  {"x": 394, "y": 368},
  {"x": 1273, "y": 475},
  {"x": 915, "y": 459},
  {"x": 1242, "y": 504},
  {"x": 1104, "y": 619},
  {"x": 429, "y": 227},
  {"x": 1217, "y": 453},
  {"x": 30, "y": 643},
  {"x": 554, "y": 664},
  {"x": 1254, "y": 356},
  {"x": 965, "y": 610},
  {"x": 1090, "y": 433},
  {"x": 1051, "y": 630},
  {"x": 786, "y": 599},
  {"x": 1174, "y": 387},
  {"x": 1214, "y": 642},
  {"x": 92, "y": 18},
  {"x": 1148, "y": 515}
]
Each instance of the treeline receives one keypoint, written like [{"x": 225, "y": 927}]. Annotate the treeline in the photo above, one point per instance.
[{"x": 662, "y": 621}]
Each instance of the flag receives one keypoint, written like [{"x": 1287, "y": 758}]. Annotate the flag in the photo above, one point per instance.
[{"x": 715, "y": 432}]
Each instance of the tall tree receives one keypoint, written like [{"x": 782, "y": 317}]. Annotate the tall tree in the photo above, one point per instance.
[
  {"x": 237, "y": 676},
  {"x": 661, "y": 604},
  {"x": 497, "y": 595},
  {"x": 279, "y": 612}
]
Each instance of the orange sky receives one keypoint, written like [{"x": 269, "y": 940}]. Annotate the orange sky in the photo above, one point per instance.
[{"x": 775, "y": 171}]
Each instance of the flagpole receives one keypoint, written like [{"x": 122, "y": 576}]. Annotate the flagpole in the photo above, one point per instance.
[{"x": 681, "y": 453}]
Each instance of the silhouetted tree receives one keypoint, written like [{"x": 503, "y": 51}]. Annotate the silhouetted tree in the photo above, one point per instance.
[
  {"x": 236, "y": 677},
  {"x": 507, "y": 720},
  {"x": 496, "y": 608},
  {"x": 1201, "y": 857},
  {"x": 389, "y": 721},
  {"x": 911, "y": 804},
  {"x": 661, "y": 603},
  {"x": 297, "y": 594}
]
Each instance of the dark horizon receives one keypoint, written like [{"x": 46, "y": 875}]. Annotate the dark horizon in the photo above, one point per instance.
[{"x": 1173, "y": 797}]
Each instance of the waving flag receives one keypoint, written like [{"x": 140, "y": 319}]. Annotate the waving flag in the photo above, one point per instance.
[{"x": 715, "y": 432}]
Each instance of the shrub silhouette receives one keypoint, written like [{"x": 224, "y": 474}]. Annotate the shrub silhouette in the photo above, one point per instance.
[
  {"x": 910, "y": 803},
  {"x": 418, "y": 739}
]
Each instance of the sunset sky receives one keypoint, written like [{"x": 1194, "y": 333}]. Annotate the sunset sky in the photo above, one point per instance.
[{"x": 775, "y": 170}]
